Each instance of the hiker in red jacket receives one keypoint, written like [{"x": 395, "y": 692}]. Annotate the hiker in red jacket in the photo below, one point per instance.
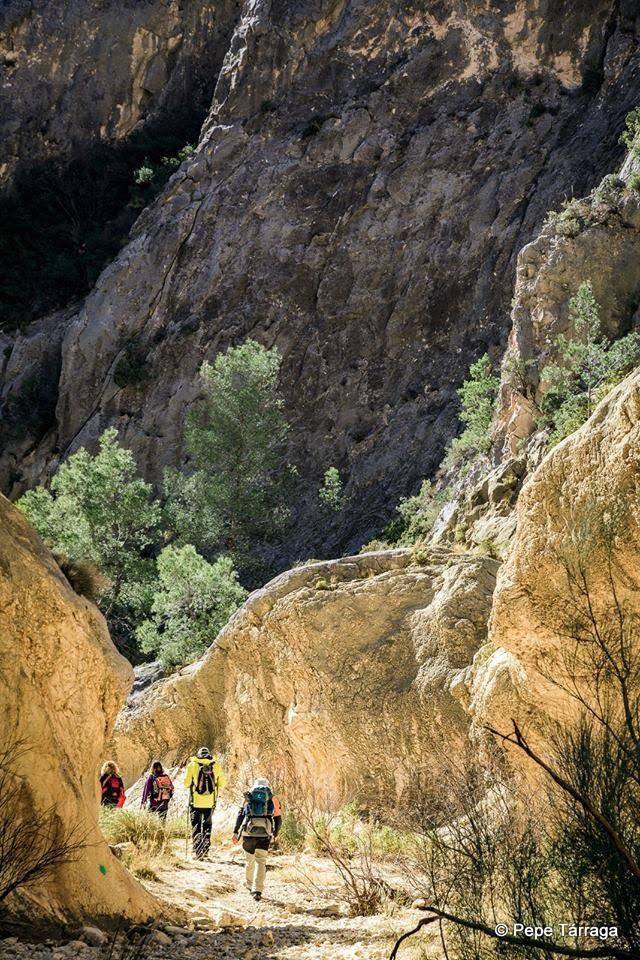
[
  {"x": 112, "y": 787},
  {"x": 158, "y": 790}
]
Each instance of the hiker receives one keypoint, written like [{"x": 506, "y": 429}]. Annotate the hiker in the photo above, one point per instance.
[
  {"x": 157, "y": 790},
  {"x": 258, "y": 824},
  {"x": 112, "y": 787},
  {"x": 204, "y": 779}
]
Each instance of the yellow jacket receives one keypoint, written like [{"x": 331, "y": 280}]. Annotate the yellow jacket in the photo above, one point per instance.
[{"x": 203, "y": 800}]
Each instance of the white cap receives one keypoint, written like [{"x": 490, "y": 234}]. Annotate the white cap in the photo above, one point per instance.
[{"x": 261, "y": 782}]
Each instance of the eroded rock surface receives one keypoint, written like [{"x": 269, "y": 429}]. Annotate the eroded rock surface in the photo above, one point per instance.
[
  {"x": 335, "y": 677},
  {"x": 62, "y": 683}
]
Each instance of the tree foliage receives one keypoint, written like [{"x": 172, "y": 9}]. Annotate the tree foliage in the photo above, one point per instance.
[
  {"x": 238, "y": 489},
  {"x": 192, "y": 602},
  {"x": 477, "y": 397},
  {"x": 98, "y": 509}
]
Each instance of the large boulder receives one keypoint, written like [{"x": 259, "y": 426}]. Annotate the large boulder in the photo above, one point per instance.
[
  {"x": 62, "y": 683},
  {"x": 336, "y": 677}
]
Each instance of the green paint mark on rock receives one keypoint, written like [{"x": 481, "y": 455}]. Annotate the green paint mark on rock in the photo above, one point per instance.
[{"x": 103, "y": 869}]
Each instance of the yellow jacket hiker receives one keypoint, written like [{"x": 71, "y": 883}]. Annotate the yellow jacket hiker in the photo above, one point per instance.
[{"x": 204, "y": 779}]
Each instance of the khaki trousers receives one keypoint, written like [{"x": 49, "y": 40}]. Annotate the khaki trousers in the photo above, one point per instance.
[{"x": 256, "y": 869}]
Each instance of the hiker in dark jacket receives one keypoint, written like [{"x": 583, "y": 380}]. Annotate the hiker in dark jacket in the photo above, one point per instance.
[
  {"x": 111, "y": 786},
  {"x": 157, "y": 791},
  {"x": 257, "y": 824}
]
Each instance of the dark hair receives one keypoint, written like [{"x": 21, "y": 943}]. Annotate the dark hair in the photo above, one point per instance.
[{"x": 156, "y": 767}]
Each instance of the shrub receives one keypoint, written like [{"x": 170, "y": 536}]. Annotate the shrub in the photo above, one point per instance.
[
  {"x": 313, "y": 125},
  {"x": 148, "y": 836},
  {"x": 609, "y": 189},
  {"x": 293, "y": 834},
  {"x": 630, "y": 137},
  {"x": 330, "y": 492},
  {"x": 478, "y": 396},
  {"x": 574, "y": 216},
  {"x": 634, "y": 181},
  {"x": 32, "y": 848},
  {"x": 374, "y": 545},
  {"x": 84, "y": 576},
  {"x": 416, "y": 515},
  {"x": 588, "y": 367},
  {"x": 132, "y": 367},
  {"x": 150, "y": 178}
]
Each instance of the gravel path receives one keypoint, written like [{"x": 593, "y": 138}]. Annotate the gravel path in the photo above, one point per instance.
[{"x": 300, "y": 918}]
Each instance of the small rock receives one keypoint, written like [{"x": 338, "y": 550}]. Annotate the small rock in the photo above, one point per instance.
[
  {"x": 195, "y": 894},
  {"x": 176, "y": 931},
  {"x": 225, "y": 919},
  {"x": 93, "y": 936},
  {"x": 74, "y": 946},
  {"x": 419, "y": 904},
  {"x": 266, "y": 940},
  {"x": 327, "y": 910},
  {"x": 160, "y": 939}
]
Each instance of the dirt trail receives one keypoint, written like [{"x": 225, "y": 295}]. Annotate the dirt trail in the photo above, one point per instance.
[{"x": 301, "y": 916}]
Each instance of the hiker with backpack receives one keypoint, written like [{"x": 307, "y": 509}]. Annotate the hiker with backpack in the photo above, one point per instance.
[
  {"x": 204, "y": 779},
  {"x": 157, "y": 790},
  {"x": 257, "y": 825},
  {"x": 111, "y": 786}
]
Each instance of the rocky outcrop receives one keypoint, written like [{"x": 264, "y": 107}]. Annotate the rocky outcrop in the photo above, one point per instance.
[
  {"x": 334, "y": 678},
  {"x": 596, "y": 239},
  {"x": 78, "y": 73},
  {"x": 584, "y": 493},
  {"x": 365, "y": 179},
  {"x": 62, "y": 683}
]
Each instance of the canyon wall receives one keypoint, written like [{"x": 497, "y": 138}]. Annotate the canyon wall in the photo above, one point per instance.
[
  {"x": 364, "y": 180},
  {"x": 574, "y": 555},
  {"x": 62, "y": 683},
  {"x": 81, "y": 73}
]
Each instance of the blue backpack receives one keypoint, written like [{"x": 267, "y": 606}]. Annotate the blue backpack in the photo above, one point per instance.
[{"x": 259, "y": 801}]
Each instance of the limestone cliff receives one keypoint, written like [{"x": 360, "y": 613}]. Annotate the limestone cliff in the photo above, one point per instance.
[
  {"x": 566, "y": 507},
  {"x": 364, "y": 181},
  {"x": 62, "y": 683},
  {"x": 335, "y": 678}
]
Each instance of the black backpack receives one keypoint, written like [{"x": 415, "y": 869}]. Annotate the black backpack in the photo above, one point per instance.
[{"x": 206, "y": 781}]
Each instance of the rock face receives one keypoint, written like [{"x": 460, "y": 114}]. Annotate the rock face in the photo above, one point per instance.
[
  {"x": 595, "y": 239},
  {"x": 563, "y": 514},
  {"x": 87, "y": 71},
  {"x": 364, "y": 181},
  {"x": 61, "y": 685},
  {"x": 335, "y": 677}
]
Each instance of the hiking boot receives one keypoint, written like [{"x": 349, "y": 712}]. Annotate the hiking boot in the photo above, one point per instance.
[{"x": 257, "y": 896}]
